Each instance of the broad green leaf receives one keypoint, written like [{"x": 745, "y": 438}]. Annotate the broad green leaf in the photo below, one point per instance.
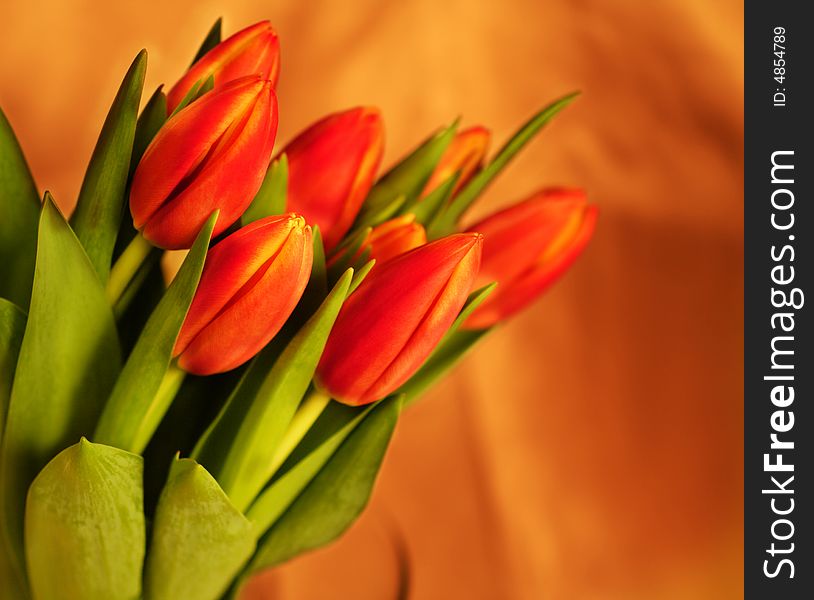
[
  {"x": 452, "y": 347},
  {"x": 271, "y": 197},
  {"x": 99, "y": 208},
  {"x": 20, "y": 208},
  {"x": 200, "y": 541},
  {"x": 138, "y": 401},
  {"x": 445, "y": 221},
  {"x": 211, "y": 40},
  {"x": 375, "y": 216},
  {"x": 336, "y": 496},
  {"x": 152, "y": 118},
  {"x": 84, "y": 525},
  {"x": 427, "y": 208},
  {"x": 68, "y": 363},
  {"x": 328, "y": 432},
  {"x": 243, "y": 440},
  {"x": 406, "y": 180},
  {"x": 12, "y": 326}
]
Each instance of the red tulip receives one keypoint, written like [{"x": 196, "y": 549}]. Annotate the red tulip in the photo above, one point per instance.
[
  {"x": 391, "y": 324},
  {"x": 211, "y": 155},
  {"x": 465, "y": 153},
  {"x": 527, "y": 247},
  {"x": 251, "y": 51},
  {"x": 251, "y": 282},
  {"x": 331, "y": 166},
  {"x": 389, "y": 239}
]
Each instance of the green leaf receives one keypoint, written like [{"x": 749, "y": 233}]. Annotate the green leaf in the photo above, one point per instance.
[
  {"x": 211, "y": 40},
  {"x": 198, "y": 89},
  {"x": 328, "y": 432},
  {"x": 136, "y": 405},
  {"x": 152, "y": 118},
  {"x": 444, "y": 223},
  {"x": 12, "y": 326},
  {"x": 406, "y": 180},
  {"x": 241, "y": 443},
  {"x": 359, "y": 276},
  {"x": 99, "y": 208},
  {"x": 84, "y": 525},
  {"x": 452, "y": 348},
  {"x": 200, "y": 540},
  {"x": 317, "y": 287},
  {"x": 427, "y": 208},
  {"x": 336, "y": 496},
  {"x": 68, "y": 363},
  {"x": 271, "y": 197},
  {"x": 20, "y": 208}
]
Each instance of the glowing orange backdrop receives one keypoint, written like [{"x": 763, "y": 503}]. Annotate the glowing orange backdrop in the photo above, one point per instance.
[{"x": 592, "y": 448}]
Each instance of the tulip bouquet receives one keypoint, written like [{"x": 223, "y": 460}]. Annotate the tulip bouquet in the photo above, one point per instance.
[{"x": 166, "y": 436}]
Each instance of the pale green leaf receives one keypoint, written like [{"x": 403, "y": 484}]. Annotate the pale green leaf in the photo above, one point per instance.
[
  {"x": 136, "y": 407},
  {"x": 12, "y": 326},
  {"x": 444, "y": 222},
  {"x": 241, "y": 443},
  {"x": 406, "y": 180},
  {"x": 98, "y": 211},
  {"x": 68, "y": 363},
  {"x": 336, "y": 496},
  {"x": 84, "y": 525},
  {"x": 200, "y": 540},
  {"x": 271, "y": 197},
  {"x": 20, "y": 208}
]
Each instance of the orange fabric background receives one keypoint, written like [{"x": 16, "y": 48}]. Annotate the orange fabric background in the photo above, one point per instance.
[{"x": 592, "y": 448}]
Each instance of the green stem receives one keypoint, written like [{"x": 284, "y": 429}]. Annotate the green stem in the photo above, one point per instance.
[
  {"x": 125, "y": 268},
  {"x": 166, "y": 393},
  {"x": 307, "y": 413}
]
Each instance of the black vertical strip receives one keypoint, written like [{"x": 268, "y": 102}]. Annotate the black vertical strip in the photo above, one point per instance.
[{"x": 779, "y": 266}]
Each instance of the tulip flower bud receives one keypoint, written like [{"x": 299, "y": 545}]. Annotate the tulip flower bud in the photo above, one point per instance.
[
  {"x": 389, "y": 239},
  {"x": 211, "y": 155},
  {"x": 331, "y": 166},
  {"x": 527, "y": 247},
  {"x": 250, "y": 284},
  {"x": 465, "y": 153},
  {"x": 251, "y": 51},
  {"x": 390, "y": 325}
]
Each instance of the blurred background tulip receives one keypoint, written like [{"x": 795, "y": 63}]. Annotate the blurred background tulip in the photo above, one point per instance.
[
  {"x": 212, "y": 155},
  {"x": 393, "y": 321},
  {"x": 251, "y": 282},
  {"x": 464, "y": 154},
  {"x": 331, "y": 168},
  {"x": 527, "y": 247},
  {"x": 388, "y": 240},
  {"x": 254, "y": 50}
]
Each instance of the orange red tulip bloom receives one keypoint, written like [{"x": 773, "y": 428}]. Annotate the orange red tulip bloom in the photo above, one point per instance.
[
  {"x": 331, "y": 167},
  {"x": 254, "y": 50},
  {"x": 464, "y": 154},
  {"x": 251, "y": 282},
  {"x": 527, "y": 247},
  {"x": 390, "y": 239},
  {"x": 391, "y": 324},
  {"x": 211, "y": 155}
]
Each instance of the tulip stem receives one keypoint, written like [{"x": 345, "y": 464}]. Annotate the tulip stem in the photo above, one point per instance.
[
  {"x": 126, "y": 267},
  {"x": 307, "y": 413}
]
